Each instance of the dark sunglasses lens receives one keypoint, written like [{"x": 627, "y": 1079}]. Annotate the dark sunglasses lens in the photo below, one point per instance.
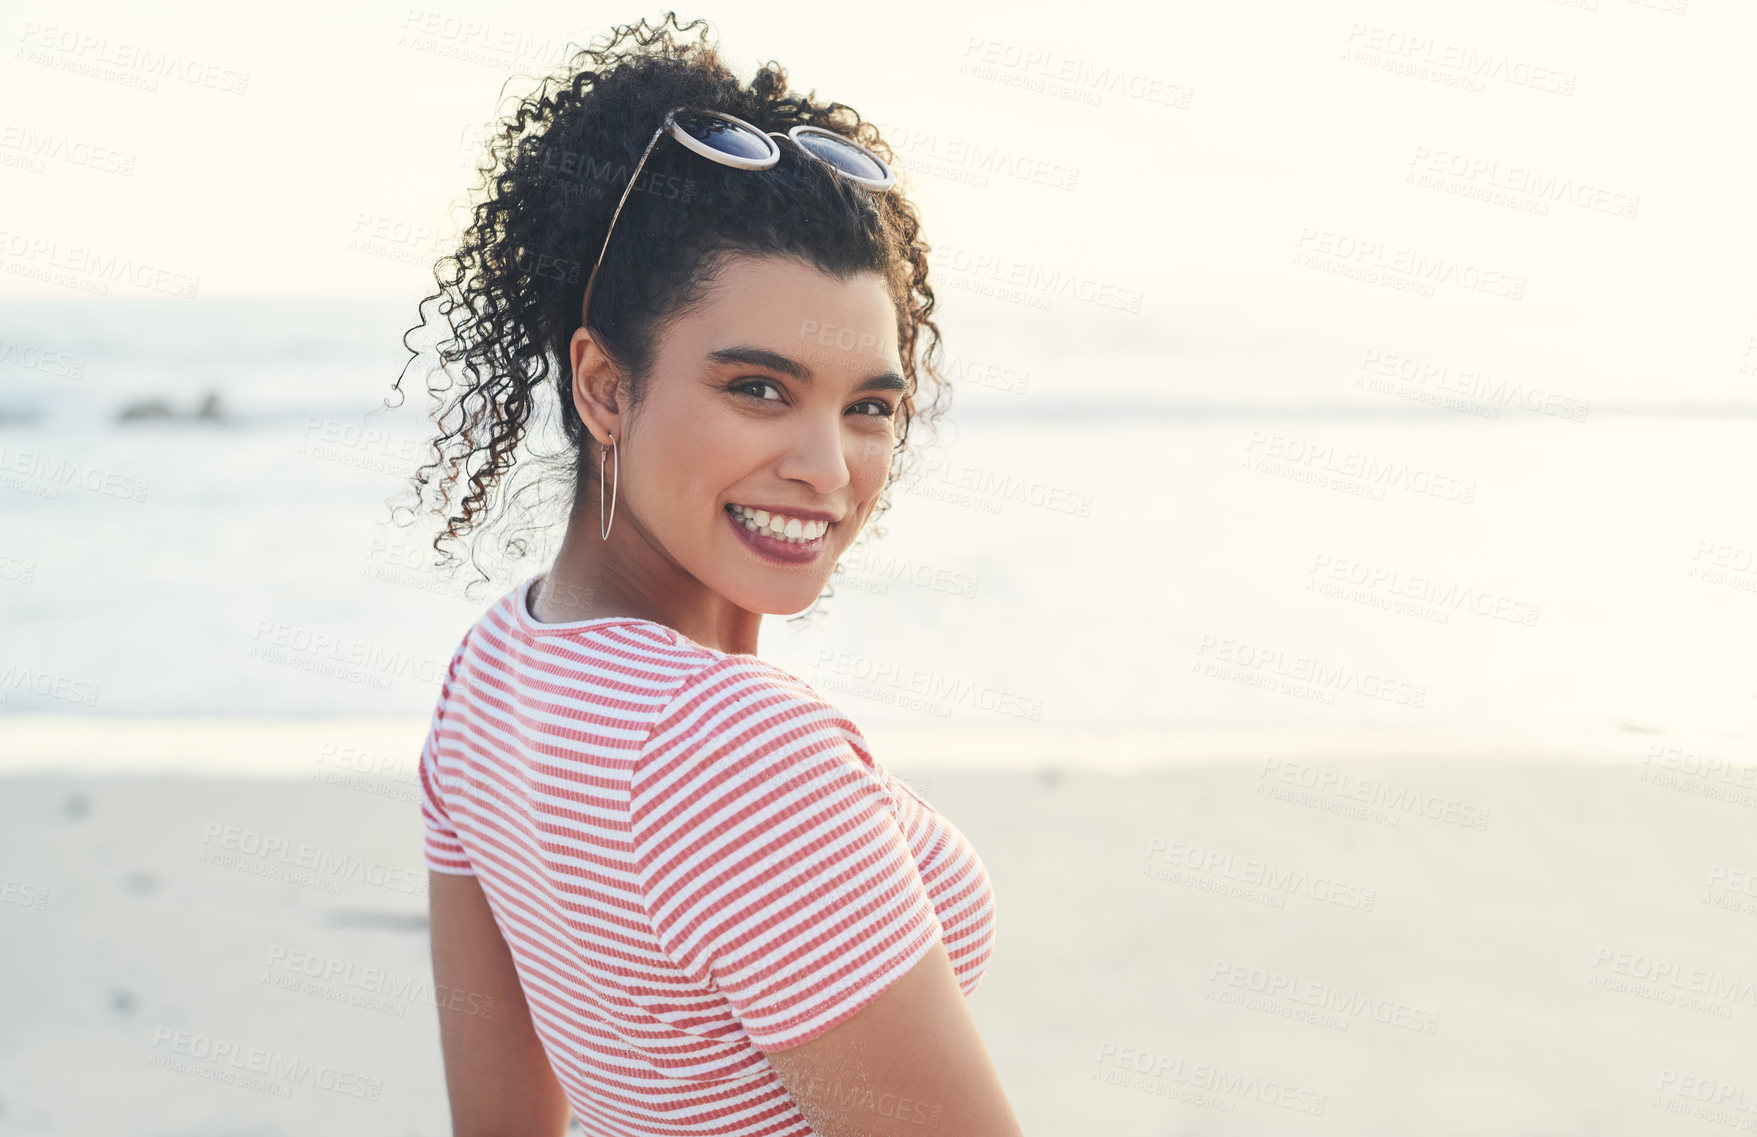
[
  {"x": 845, "y": 157},
  {"x": 726, "y": 137}
]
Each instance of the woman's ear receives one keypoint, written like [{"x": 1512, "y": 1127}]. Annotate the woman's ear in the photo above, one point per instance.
[{"x": 596, "y": 383}]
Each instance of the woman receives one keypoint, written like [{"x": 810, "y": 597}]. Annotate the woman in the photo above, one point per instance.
[{"x": 672, "y": 890}]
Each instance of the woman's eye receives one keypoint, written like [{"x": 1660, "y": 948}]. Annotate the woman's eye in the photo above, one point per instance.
[
  {"x": 745, "y": 387},
  {"x": 876, "y": 408}
]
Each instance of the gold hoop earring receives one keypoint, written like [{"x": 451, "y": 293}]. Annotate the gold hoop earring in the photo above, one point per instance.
[{"x": 604, "y": 531}]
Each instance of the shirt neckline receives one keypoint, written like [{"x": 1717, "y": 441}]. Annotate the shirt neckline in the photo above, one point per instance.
[
  {"x": 521, "y": 610},
  {"x": 531, "y": 625}
]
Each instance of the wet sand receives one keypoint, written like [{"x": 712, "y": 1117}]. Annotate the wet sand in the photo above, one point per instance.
[{"x": 1270, "y": 942}]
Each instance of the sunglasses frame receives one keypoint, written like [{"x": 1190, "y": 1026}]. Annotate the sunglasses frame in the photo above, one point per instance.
[{"x": 691, "y": 142}]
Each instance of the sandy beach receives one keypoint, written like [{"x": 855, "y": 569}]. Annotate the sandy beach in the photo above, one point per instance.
[{"x": 1265, "y": 941}]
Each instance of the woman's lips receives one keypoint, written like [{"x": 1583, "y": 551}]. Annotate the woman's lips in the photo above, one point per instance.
[{"x": 774, "y": 549}]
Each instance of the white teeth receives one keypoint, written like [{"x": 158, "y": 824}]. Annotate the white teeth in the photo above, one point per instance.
[{"x": 793, "y": 530}]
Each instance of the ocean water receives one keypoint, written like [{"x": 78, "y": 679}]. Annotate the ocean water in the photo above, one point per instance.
[{"x": 1119, "y": 527}]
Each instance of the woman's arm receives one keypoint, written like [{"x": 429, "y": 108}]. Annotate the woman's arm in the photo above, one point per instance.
[
  {"x": 911, "y": 1062},
  {"x": 496, "y": 1074}
]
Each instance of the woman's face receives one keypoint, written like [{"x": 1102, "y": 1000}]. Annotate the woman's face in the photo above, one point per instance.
[{"x": 774, "y": 403}]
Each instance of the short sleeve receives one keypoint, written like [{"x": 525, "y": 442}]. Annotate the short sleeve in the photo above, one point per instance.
[
  {"x": 769, "y": 855},
  {"x": 443, "y": 851}
]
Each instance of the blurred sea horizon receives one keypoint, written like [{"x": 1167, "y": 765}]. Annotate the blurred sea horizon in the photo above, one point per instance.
[{"x": 1120, "y": 526}]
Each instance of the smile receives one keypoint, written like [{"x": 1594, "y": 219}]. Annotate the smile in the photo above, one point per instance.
[
  {"x": 777, "y": 538},
  {"x": 792, "y": 530}
]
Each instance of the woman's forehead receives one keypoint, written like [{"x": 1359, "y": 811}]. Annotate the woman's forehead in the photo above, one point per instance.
[{"x": 792, "y": 309}]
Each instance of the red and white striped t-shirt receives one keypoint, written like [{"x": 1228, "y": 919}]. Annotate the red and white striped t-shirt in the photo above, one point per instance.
[{"x": 692, "y": 856}]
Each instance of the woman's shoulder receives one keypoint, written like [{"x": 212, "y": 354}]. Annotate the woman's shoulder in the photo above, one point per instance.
[
  {"x": 744, "y": 703},
  {"x": 744, "y": 680},
  {"x": 687, "y": 688}
]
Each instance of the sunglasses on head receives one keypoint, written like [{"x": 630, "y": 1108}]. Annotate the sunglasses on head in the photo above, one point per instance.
[{"x": 733, "y": 142}]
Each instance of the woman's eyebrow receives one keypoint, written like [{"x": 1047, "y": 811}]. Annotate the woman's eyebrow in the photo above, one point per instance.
[{"x": 775, "y": 361}]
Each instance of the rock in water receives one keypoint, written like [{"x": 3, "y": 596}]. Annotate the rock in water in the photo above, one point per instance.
[{"x": 150, "y": 409}]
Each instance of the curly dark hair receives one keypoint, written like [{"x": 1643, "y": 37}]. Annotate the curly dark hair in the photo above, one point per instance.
[{"x": 556, "y": 166}]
